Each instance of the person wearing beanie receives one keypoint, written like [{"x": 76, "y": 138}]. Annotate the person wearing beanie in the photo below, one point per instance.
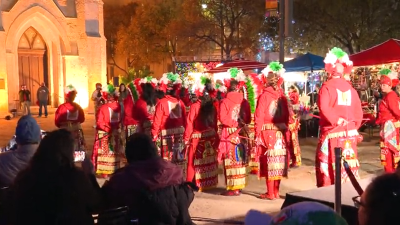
[
  {"x": 389, "y": 120},
  {"x": 28, "y": 136},
  {"x": 170, "y": 121},
  {"x": 233, "y": 151},
  {"x": 270, "y": 124},
  {"x": 107, "y": 149},
  {"x": 70, "y": 116},
  {"x": 341, "y": 116},
  {"x": 201, "y": 139}
]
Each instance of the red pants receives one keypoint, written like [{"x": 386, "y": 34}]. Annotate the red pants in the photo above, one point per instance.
[{"x": 389, "y": 163}]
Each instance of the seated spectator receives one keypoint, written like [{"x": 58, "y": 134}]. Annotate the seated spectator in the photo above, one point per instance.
[
  {"x": 302, "y": 213},
  {"x": 151, "y": 187},
  {"x": 51, "y": 190},
  {"x": 28, "y": 136},
  {"x": 380, "y": 203}
]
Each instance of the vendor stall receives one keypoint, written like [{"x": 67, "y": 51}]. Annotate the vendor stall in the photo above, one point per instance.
[
  {"x": 364, "y": 78},
  {"x": 306, "y": 62},
  {"x": 385, "y": 53}
]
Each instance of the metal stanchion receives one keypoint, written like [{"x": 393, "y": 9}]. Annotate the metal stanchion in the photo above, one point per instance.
[{"x": 338, "y": 180}]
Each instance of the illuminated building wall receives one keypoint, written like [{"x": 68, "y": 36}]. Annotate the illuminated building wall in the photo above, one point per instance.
[{"x": 59, "y": 42}]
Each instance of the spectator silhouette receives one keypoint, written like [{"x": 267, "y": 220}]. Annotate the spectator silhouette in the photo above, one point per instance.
[
  {"x": 52, "y": 190},
  {"x": 380, "y": 203},
  {"x": 151, "y": 187}
]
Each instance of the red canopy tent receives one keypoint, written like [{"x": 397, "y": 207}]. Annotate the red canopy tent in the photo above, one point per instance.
[
  {"x": 387, "y": 52},
  {"x": 240, "y": 64}
]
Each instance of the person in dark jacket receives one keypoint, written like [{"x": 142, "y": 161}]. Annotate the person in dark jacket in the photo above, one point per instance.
[
  {"x": 25, "y": 100},
  {"x": 28, "y": 136},
  {"x": 52, "y": 190},
  {"x": 43, "y": 99},
  {"x": 152, "y": 188}
]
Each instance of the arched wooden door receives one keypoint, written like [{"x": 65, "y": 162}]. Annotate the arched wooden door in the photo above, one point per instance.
[{"x": 32, "y": 62}]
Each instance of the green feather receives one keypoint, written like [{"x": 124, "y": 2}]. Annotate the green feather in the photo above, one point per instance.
[
  {"x": 385, "y": 71},
  {"x": 203, "y": 80},
  {"x": 110, "y": 88},
  {"x": 172, "y": 77},
  {"x": 339, "y": 53},
  {"x": 134, "y": 91},
  {"x": 149, "y": 78},
  {"x": 234, "y": 72},
  {"x": 251, "y": 96},
  {"x": 275, "y": 66}
]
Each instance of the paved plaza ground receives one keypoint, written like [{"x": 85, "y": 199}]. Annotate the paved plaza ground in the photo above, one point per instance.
[{"x": 212, "y": 204}]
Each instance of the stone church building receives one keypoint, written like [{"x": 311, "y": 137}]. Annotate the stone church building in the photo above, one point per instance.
[{"x": 58, "y": 42}]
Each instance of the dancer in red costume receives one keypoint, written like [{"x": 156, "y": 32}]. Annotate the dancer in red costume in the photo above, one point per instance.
[
  {"x": 145, "y": 106},
  {"x": 294, "y": 126},
  {"x": 202, "y": 140},
  {"x": 69, "y": 116},
  {"x": 389, "y": 120},
  {"x": 234, "y": 116},
  {"x": 253, "y": 89},
  {"x": 130, "y": 123},
  {"x": 221, "y": 94},
  {"x": 341, "y": 116},
  {"x": 107, "y": 145},
  {"x": 170, "y": 121},
  {"x": 270, "y": 121}
]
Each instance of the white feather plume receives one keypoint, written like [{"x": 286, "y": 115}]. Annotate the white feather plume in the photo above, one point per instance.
[
  {"x": 69, "y": 89},
  {"x": 393, "y": 75},
  {"x": 330, "y": 58},
  {"x": 164, "y": 79},
  {"x": 241, "y": 76}
]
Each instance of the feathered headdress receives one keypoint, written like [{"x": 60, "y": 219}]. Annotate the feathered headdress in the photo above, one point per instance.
[
  {"x": 388, "y": 77},
  {"x": 109, "y": 91},
  {"x": 275, "y": 68},
  {"x": 198, "y": 88},
  {"x": 149, "y": 80},
  {"x": 205, "y": 80},
  {"x": 220, "y": 87},
  {"x": 68, "y": 90},
  {"x": 253, "y": 89},
  {"x": 134, "y": 89},
  {"x": 236, "y": 74},
  {"x": 337, "y": 62},
  {"x": 170, "y": 80}
]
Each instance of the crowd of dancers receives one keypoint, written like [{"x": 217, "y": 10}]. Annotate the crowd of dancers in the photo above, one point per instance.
[{"x": 247, "y": 123}]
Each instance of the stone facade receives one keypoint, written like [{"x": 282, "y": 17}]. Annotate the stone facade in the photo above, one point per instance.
[{"x": 75, "y": 48}]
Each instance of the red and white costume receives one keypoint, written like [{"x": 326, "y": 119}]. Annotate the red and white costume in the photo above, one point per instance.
[
  {"x": 389, "y": 120},
  {"x": 130, "y": 122},
  {"x": 69, "y": 116},
  {"x": 341, "y": 115},
  {"x": 270, "y": 123},
  {"x": 292, "y": 133},
  {"x": 144, "y": 113},
  {"x": 107, "y": 149},
  {"x": 234, "y": 150},
  {"x": 202, "y": 140},
  {"x": 170, "y": 121}
]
